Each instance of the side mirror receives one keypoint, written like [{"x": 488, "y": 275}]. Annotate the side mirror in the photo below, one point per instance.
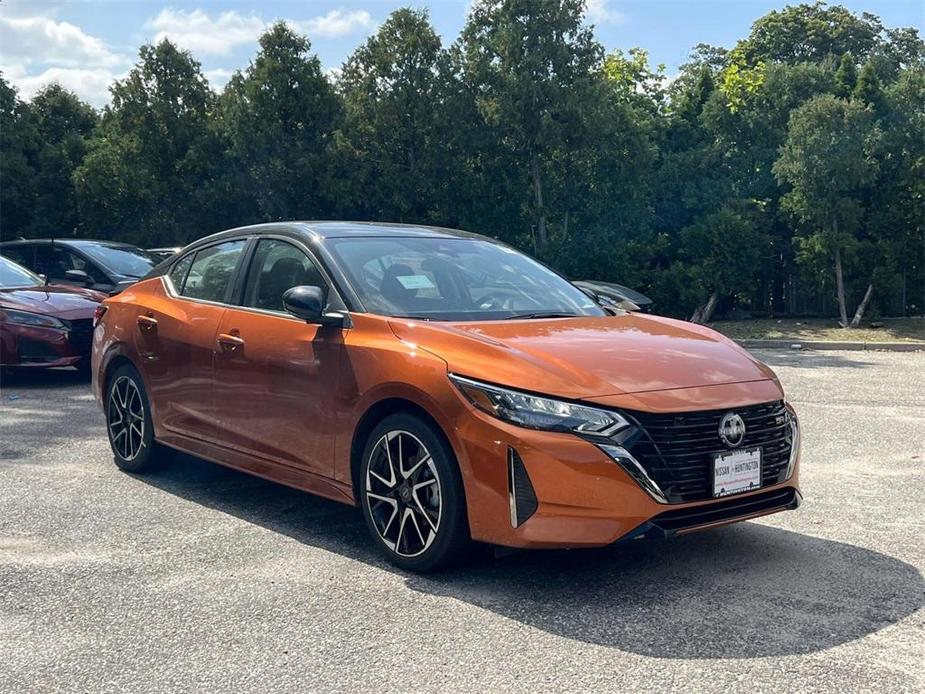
[
  {"x": 78, "y": 276},
  {"x": 627, "y": 305},
  {"x": 307, "y": 302}
]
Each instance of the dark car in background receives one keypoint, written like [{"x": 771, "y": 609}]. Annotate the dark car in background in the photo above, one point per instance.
[
  {"x": 104, "y": 266},
  {"x": 612, "y": 294},
  {"x": 44, "y": 325},
  {"x": 166, "y": 252}
]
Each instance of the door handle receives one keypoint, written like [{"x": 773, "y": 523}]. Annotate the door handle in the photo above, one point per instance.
[
  {"x": 147, "y": 322},
  {"x": 230, "y": 342}
]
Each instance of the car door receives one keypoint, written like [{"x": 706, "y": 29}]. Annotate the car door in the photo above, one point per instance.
[
  {"x": 176, "y": 338},
  {"x": 276, "y": 375},
  {"x": 64, "y": 260}
]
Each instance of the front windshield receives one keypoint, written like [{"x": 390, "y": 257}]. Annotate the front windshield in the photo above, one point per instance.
[
  {"x": 454, "y": 279},
  {"x": 13, "y": 275},
  {"x": 123, "y": 260}
]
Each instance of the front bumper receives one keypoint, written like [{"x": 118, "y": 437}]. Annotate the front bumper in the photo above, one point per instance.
[{"x": 581, "y": 497}]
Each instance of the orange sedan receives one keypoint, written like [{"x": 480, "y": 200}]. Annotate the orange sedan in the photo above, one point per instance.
[{"x": 454, "y": 389}]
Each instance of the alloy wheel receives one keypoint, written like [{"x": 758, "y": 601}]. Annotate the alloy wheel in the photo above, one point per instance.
[
  {"x": 403, "y": 493},
  {"x": 126, "y": 415}
]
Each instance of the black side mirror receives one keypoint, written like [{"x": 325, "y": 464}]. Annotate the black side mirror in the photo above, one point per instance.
[
  {"x": 307, "y": 302},
  {"x": 78, "y": 276}
]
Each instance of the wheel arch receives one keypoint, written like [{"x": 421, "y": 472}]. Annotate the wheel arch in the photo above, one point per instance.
[{"x": 374, "y": 414}]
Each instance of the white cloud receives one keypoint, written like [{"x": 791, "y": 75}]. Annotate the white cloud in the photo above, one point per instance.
[
  {"x": 36, "y": 49},
  {"x": 205, "y": 34},
  {"x": 600, "y": 12},
  {"x": 218, "y": 77},
  {"x": 42, "y": 39},
  {"x": 335, "y": 23},
  {"x": 90, "y": 84}
]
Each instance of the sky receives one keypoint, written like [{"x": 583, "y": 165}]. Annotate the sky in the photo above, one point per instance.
[{"x": 86, "y": 44}]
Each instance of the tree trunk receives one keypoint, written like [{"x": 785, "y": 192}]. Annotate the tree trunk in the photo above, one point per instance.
[
  {"x": 859, "y": 314},
  {"x": 840, "y": 290},
  {"x": 705, "y": 312},
  {"x": 542, "y": 239}
]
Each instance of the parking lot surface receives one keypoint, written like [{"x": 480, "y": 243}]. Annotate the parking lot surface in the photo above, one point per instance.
[{"x": 198, "y": 578}]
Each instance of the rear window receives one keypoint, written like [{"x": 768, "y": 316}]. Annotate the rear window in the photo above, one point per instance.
[{"x": 210, "y": 272}]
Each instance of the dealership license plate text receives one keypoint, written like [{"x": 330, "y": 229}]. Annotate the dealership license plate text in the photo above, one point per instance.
[{"x": 736, "y": 471}]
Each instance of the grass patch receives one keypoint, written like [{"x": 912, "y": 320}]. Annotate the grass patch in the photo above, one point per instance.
[{"x": 823, "y": 329}]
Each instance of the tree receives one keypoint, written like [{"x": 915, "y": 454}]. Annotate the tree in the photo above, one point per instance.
[
  {"x": 810, "y": 33},
  {"x": 18, "y": 141},
  {"x": 279, "y": 118},
  {"x": 533, "y": 68},
  {"x": 846, "y": 76},
  {"x": 140, "y": 178},
  {"x": 827, "y": 162},
  {"x": 721, "y": 251},
  {"x": 868, "y": 90},
  {"x": 63, "y": 125},
  {"x": 392, "y": 89}
]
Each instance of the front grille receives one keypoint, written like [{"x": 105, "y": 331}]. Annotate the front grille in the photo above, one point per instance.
[
  {"x": 677, "y": 449},
  {"x": 81, "y": 335}
]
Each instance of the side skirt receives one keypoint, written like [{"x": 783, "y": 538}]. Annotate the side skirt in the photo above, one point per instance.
[{"x": 272, "y": 471}]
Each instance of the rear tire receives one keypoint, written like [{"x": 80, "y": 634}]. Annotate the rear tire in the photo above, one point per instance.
[
  {"x": 128, "y": 421},
  {"x": 412, "y": 496}
]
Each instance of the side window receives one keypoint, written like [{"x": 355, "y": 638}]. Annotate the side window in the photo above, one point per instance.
[
  {"x": 210, "y": 273},
  {"x": 64, "y": 259},
  {"x": 23, "y": 255},
  {"x": 178, "y": 273},
  {"x": 276, "y": 267}
]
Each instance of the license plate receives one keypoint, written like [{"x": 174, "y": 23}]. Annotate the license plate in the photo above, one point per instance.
[{"x": 736, "y": 471}]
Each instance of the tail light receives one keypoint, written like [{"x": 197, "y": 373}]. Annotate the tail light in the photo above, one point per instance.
[{"x": 98, "y": 314}]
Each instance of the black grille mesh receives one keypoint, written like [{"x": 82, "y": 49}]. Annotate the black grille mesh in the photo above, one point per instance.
[
  {"x": 524, "y": 498},
  {"x": 81, "y": 335},
  {"x": 676, "y": 449}
]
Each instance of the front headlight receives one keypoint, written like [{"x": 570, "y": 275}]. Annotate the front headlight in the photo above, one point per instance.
[
  {"x": 535, "y": 412},
  {"x": 795, "y": 437},
  {"x": 26, "y": 318}
]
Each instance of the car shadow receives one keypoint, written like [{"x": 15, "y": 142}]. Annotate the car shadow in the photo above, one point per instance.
[
  {"x": 809, "y": 360},
  {"x": 744, "y": 591},
  {"x": 32, "y": 378}
]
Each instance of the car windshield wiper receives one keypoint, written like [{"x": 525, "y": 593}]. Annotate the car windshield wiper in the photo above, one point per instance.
[{"x": 542, "y": 314}]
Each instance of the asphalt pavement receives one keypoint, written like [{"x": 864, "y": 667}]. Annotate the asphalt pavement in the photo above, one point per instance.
[{"x": 202, "y": 579}]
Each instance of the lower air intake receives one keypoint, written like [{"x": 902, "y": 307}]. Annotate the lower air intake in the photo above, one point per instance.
[{"x": 520, "y": 489}]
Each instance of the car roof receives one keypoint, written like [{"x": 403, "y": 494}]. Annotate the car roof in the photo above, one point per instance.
[
  {"x": 322, "y": 230},
  {"x": 69, "y": 242}
]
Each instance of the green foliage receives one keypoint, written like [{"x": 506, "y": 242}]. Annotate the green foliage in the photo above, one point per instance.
[
  {"x": 868, "y": 90},
  {"x": 739, "y": 178},
  {"x": 741, "y": 81},
  {"x": 391, "y": 140},
  {"x": 846, "y": 76},
  {"x": 278, "y": 118},
  {"x": 138, "y": 179},
  {"x": 810, "y": 33}
]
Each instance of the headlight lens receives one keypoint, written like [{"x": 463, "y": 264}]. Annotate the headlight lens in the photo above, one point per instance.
[
  {"x": 26, "y": 318},
  {"x": 535, "y": 412}
]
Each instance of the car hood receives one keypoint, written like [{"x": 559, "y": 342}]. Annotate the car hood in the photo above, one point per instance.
[
  {"x": 588, "y": 356},
  {"x": 53, "y": 300}
]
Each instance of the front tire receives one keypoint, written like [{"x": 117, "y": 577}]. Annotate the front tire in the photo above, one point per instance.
[
  {"x": 128, "y": 421},
  {"x": 412, "y": 495}
]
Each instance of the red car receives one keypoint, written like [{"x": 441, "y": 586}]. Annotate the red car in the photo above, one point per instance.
[{"x": 43, "y": 325}]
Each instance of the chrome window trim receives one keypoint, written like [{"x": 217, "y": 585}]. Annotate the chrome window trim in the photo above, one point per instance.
[
  {"x": 325, "y": 275},
  {"x": 172, "y": 292}
]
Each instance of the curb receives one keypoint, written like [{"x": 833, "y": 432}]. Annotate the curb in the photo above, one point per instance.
[{"x": 797, "y": 345}]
